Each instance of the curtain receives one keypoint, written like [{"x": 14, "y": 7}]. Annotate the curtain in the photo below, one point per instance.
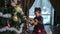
[{"x": 27, "y": 5}]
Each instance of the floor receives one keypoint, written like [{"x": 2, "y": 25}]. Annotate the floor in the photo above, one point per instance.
[{"x": 47, "y": 28}]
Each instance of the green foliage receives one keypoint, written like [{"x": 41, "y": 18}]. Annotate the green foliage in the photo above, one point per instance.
[
  {"x": 8, "y": 32},
  {"x": 3, "y": 21}
]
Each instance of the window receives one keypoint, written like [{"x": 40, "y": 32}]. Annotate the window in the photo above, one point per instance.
[{"x": 47, "y": 11}]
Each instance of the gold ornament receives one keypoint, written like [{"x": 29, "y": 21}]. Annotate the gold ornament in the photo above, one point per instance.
[
  {"x": 15, "y": 18},
  {"x": 18, "y": 8},
  {"x": 24, "y": 17}
]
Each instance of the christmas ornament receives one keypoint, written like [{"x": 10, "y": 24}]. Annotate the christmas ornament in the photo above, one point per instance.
[
  {"x": 18, "y": 24},
  {"x": 24, "y": 17},
  {"x": 8, "y": 24},
  {"x": 13, "y": 4},
  {"x": 26, "y": 29},
  {"x": 18, "y": 8},
  {"x": 15, "y": 18}
]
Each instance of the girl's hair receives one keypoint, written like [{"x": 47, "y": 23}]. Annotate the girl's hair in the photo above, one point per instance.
[{"x": 38, "y": 9}]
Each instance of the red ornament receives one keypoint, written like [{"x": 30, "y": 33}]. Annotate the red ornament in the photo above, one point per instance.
[
  {"x": 26, "y": 29},
  {"x": 8, "y": 24}
]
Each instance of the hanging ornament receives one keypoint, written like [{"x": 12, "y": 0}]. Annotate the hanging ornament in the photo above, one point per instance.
[
  {"x": 8, "y": 24},
  {"x": 18, "y": 8},
  {"x": 24, "y": 17},
  {"x": 26, "y": 29},
  {"x": 15, "y": 18},
  {"x": 13, "y": 4}
]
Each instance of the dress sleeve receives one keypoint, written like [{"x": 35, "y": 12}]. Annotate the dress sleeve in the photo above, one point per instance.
[{"x": 41, "y": 20}]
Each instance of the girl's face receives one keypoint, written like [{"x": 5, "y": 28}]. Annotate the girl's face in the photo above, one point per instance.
[{"x": 37, "y": 13}]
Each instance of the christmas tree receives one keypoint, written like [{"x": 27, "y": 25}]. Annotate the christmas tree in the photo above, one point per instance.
[{"x": 12, "y": 17}]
